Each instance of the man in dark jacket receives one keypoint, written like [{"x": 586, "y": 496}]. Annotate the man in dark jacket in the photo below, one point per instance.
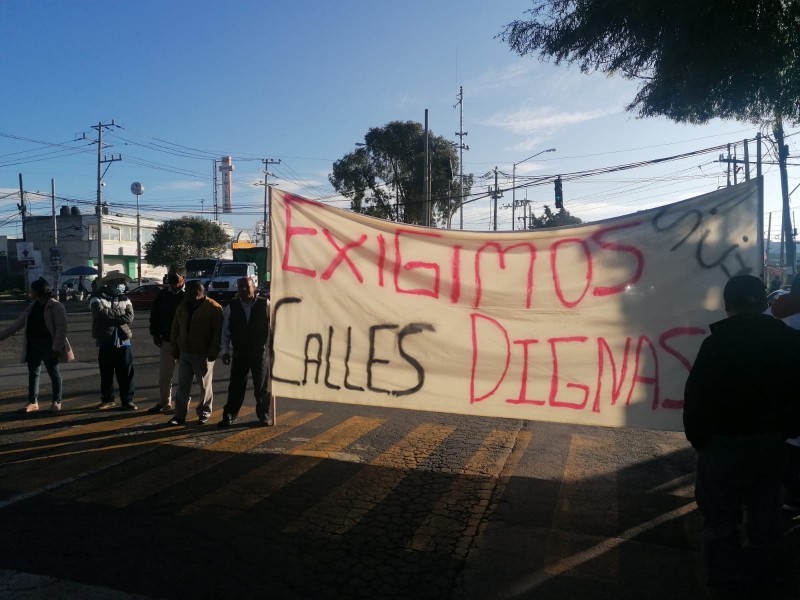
[
  {"x": 245, "y": 327},
  {"x": 161, "y": 315},
  {"x": 739, "y": 407}
]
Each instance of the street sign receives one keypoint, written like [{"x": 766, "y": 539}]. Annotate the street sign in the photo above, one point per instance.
[
  {"x": 55, "y": 259},
  {"x": 25, "y": 253}
]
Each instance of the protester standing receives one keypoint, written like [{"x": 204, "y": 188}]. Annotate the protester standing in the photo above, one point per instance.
[
  {"x": 787, "y": 309},
  {"x": 737, "y": 425},
  {"x": 245, "y": 327},
  {"x": 112, "y": 315},
  {"x": 195, "y": 338},
  {"x": 45, "y": 341},
  {"x": 161, "y": 316}
]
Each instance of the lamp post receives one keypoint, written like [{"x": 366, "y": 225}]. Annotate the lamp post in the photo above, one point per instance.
[
  {"x": 137, "y": 189},
  {"x": 514, "y": 182}
]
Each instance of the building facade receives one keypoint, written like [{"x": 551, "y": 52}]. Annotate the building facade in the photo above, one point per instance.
[{"x": 74, "y": 235}]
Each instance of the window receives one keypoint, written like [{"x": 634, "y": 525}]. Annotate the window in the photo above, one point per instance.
[{"x": 112, "y": 233}]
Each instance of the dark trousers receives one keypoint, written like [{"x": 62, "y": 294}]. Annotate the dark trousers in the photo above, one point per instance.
[
  {"x": 791, "y": 476},
  {"x": 240, "y": 367},
  {"x": 119, "y": 362},
  {"x": 38, "y": 352},
  {"x": 739, "y": 486}
]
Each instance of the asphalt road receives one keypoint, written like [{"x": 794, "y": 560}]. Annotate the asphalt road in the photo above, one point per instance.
[{"x": 335, "y": 501}]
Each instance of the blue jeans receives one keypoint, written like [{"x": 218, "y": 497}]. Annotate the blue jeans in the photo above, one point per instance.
[{"x": 41, "y": 351}]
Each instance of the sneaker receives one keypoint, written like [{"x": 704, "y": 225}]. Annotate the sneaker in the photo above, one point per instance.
[
  {"x": 792, "y": 507},
  {"x": 29, "y": 407},
  {"x": 174, "y": 421},
  {"x": 55, "y": 407},
  {"x": 202, "y": 420},
  {"x": 158, "y": 408},
  {"x": 105, "y": 405},
  {"x": 128, "y": 406},
  {"x": 267, "y": 421}
]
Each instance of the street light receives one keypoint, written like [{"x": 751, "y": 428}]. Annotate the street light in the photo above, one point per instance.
[
  {"x": 514, "y": 183},
  {"x": 138, "y": 189}
]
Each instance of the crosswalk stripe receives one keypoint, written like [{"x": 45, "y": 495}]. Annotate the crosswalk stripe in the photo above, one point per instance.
[
  {"x": 50, "y": 474},
  {"x": 73, "y": 409},
  {"x": 451, "y": 525},
  {"x": 347, "y": 504},
  {"x": 252, "y": 488},
  {"x": 67, "y": 437},
  {"x": 584, "y": 464},
  {"x": 174, "y": 471}
]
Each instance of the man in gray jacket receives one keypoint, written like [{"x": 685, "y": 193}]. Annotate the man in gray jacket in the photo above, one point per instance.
[{"x": 112, "y": 315}]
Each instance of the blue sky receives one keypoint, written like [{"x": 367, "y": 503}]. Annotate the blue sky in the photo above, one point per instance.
[{"x": 303, "y": 81}]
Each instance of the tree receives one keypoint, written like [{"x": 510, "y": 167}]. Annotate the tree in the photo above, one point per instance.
[
  {"x": 696, "y": 60},
  {"x": 551, "y": 219},
  {"x": 177, "y": 240},
  {"x": 384, "y": 177}
]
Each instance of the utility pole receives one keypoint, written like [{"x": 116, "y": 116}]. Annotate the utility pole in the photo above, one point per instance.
[
  {"x": 267, "y": 162},
  {"x": 733, "y": 160},
  {"x": 23, "y": 211},
  {"x": 101, "y": 160},
  {"x": 54, "y": 267},
  {"x": 788, "y": 230},
  {"x": 425, "y": 187},
  {"x": 461, "y": 147},
  {"x": 495, "y": 195}
]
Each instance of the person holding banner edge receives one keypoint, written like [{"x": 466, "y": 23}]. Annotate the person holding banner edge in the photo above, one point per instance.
[
  {"x": 738, "y": 429},
  {"x": 245, "y": 327}
]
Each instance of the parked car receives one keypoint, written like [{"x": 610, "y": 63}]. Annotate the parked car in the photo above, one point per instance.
[
  {"x": 777, "y": 294},
  {"x": 145, "y": 280},
  {"x": 142, "y": 297}
]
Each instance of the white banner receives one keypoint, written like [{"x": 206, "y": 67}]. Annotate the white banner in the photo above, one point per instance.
[{"x": 596, "y": 324}]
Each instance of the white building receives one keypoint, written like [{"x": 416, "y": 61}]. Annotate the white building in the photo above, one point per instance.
[{"x": 75, "y": 235}]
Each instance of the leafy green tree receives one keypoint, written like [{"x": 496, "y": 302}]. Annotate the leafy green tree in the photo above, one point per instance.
[
  {"x": 695, "y": 60},
  {"x": 551, "y": 219},
  {"x": 384, "y": 177},
  {"x": 177, "y": 240}
]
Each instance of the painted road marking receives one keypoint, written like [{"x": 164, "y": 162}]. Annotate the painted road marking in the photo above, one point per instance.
[
  {"x": 252, "y": 488},
  {"x": 346, "y": 505}
]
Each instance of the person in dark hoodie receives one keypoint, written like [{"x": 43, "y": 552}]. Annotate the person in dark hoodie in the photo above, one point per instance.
[
  {"x": 787, "y": 309},
  {"x": 161, "y": 315},
  {"x": 738, "y": 426}
]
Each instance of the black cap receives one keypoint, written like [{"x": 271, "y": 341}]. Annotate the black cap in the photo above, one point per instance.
[{"x": 745, "y": 291}]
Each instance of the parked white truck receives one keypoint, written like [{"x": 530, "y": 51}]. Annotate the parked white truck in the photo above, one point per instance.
[{"x": 222, "y": 286}]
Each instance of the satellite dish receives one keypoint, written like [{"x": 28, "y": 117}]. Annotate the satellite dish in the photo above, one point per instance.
[{"x": 137, "y": 188}]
